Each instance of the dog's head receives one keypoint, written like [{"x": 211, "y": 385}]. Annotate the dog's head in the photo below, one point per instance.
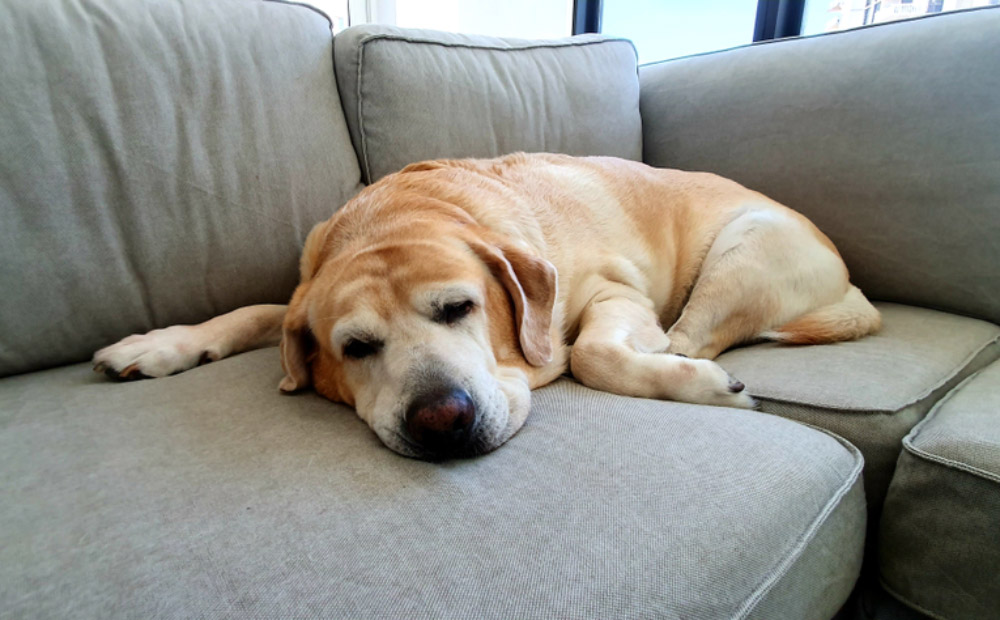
[{"x": 427, "y": 328}]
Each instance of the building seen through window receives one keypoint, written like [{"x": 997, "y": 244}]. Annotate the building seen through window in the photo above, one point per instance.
[{"x": 831, "y": 16}]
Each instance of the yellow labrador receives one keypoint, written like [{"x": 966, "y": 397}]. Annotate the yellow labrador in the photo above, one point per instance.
[{"x": 435, "y": 300}]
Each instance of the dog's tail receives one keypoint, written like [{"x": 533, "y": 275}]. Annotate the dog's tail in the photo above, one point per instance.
[{"x": 848, "y": 319}]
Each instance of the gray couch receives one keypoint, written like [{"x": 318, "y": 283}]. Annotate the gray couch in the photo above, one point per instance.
[{"x": 162, "y": 161}]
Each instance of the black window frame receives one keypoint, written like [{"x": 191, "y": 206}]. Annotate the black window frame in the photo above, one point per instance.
[
  {"x": 776, "y": 19},
  {"x": 586, "y": 16}
]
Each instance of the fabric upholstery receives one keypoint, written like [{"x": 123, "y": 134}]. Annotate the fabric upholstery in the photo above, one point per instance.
[
  {"x": 412, "y": 95},
  {"x": 871, "y": 391},
  {"x": 939, "y": 544},
  {"x": 162, "y": 163},
  {"x": 210, "y": 494},
  {"x": 887, "y": 137}
]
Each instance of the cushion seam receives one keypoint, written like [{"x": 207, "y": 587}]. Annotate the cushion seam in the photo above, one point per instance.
[
  {"x": 819, "y": 407},
  {"x": 547, "y": 45},
  {"x": 941, "y": 403},
  {"x": 964, "y": 364},
  {"x": 939, "y": 459},
  {"x": 312, "y": 8},
  {"x": 785, "y": 564},
  {"x": 955, "y": 370},
  {"x": 906, "y": 601},
  {"x": 952, "y": 464},
  {"x": 362, "y": 137}
]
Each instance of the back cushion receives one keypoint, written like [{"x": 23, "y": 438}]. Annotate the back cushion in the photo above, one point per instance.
[
  {"x": 162, "y": 163},
  {"x": 411, "y": 95}
]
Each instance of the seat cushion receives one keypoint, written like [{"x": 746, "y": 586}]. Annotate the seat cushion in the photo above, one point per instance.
[
  {"x": 939, "y": 545},
  {"x": 411, "y": 95},
  {"x": 871, "y": 391},
  {"x": 209, "y": 493},
  {"x": 160, "y": 163}
]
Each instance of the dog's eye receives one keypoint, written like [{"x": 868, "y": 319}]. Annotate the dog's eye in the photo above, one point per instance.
[
  {"x": 452, "y": 313},
  {"x": 359, "y": 349}
]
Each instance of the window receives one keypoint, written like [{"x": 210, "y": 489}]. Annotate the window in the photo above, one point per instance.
[
  {"x": 830, "y": 16},
  {"x": 660, "y": 29},
  {"x": 664, "y": 29}
]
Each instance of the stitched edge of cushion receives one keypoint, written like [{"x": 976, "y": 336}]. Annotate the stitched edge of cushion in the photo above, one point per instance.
[
  {"x": 362, "y": 134},
  {"x": 954, "y": 372},
  {"x": 944, "y": 461},
  {"x": 306, "y": 6},
  {"x": 906, "y": 601},
  {"x": 797, "y": 550},
  {"x": 362, "y": 138},
  {"x": 531, "y": 45}
]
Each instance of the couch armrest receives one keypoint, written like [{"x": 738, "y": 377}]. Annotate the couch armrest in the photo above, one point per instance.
[{"x": 887, "y": 137}]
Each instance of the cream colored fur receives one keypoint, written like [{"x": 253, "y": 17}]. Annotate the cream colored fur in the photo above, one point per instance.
[{"x": 631, "y": 277}]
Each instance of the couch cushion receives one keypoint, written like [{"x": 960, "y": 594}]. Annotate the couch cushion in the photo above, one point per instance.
[
  {"x": 887, "y": 137},
  {"x": 939, "y": 545},
  {"x": 874, "y": 390},
  {"x": 161, "y": 163},
  {"x": 412, "y": 95},
  {"x": 211, "y": 494}
]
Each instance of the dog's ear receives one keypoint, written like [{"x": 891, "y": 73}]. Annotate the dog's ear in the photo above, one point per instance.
[
  {"x": 531, "y": 283},
  {"x": 315, "y": 250},
  {"x": 297, "y": 344}
]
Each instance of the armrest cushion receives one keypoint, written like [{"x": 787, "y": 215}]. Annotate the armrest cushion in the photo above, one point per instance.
[{"x": 887, "y": 137}]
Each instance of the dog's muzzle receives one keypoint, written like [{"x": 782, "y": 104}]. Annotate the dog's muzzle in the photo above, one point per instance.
[{"x": 442, "y": 422}]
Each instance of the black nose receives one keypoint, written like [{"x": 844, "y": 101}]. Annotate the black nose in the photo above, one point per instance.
[{"x": 441, "y": 421}]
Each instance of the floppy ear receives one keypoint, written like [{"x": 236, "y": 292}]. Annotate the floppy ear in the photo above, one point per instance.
[
  {"x": 315, "y": 250},
  {"x": 531, "y": 283},
  {"x": 297, "y": 344}
]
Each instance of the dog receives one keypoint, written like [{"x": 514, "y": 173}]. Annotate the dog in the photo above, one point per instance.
[{"x": 435, "y": 300}]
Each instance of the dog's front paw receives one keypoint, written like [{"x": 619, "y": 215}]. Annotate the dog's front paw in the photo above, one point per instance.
[
  {"x": 159, "y": 353},
  {"x": 714, "y": 386},
  {"x": 740, "y": 400}
]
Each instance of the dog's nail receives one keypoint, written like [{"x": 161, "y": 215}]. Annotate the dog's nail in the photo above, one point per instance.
[
  {"x": 100, "y": 368},
  {"x": 130, "y": 373},
  {"x": 680, "y": 355},
  {"x": 206, "y": 358},
  {"x": 736, "y": 386}
]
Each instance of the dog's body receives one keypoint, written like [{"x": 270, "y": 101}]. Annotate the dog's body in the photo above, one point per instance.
[{"x": 439, "y": 296}]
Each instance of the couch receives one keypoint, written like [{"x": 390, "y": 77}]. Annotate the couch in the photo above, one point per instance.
[{"x": 162, "y": 161}]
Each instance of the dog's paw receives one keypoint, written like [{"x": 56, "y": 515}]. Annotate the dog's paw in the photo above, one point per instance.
[
  {"x": 739, "y": 401},
  {"x": 712, "y": 385},
  {"x": 159, "y": 353}
]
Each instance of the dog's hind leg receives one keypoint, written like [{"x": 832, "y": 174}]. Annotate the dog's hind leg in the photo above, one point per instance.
[
  {"x": 166, "y": 351},
  {"x": 620, "y": 350},
  {"x": 850, "y": 318},
  {"x": 765, "y": 269}
]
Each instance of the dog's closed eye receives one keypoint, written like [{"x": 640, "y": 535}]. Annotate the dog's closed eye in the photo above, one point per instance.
[
  {"x": 360, "y": 349},
  {"x": 454, "y": 312}
]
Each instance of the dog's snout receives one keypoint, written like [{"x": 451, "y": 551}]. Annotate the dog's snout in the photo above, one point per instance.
[{"x": 442, "y": 421}]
